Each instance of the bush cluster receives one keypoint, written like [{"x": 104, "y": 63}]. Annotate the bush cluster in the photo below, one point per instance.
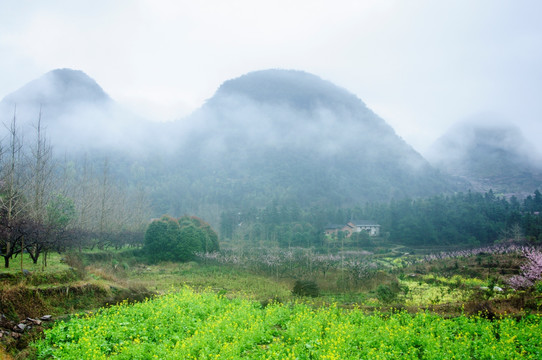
[
  {"x": 170, "y": 239},
  {"x": 306, "y": 288}
]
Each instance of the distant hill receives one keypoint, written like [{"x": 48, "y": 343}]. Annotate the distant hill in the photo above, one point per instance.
[
  {"x": 489, "y": 156},
  {"x": 293, "y": 137},
  {"x": 58, "y": 89},
  {"x": 75, "y": 111}
]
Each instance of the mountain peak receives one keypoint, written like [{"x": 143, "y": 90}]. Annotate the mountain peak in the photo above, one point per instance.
[
  {"x": 295, "y": 88},
  {"x": 60, "y": 86},
  {"x": 314, "y": 141}
]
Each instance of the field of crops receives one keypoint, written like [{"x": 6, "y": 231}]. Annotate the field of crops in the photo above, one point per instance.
[{"x": 203, "y": 325}]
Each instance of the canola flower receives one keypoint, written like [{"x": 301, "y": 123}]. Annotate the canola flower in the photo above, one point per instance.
[{"x": 202, "y": 325}]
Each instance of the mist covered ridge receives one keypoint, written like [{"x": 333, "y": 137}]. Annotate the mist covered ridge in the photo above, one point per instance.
[
  {"x": 490, "y": 155},
  {"x": 76, "y": 113},
  {"x": 268, "y": 136},
  {"x": 293, "y": 137}
]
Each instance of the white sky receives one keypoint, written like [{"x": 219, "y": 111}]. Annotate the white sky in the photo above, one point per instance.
[{"x": 422, "y": 65}]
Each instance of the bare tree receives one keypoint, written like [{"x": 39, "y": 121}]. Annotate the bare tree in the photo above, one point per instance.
[
  {"x": 86, "y": 197},
  {"x": 39, "y": 185},
  {"x": 80, "y": 184},
  {"x": 513, "y": 233},
  {"x": 107, "y": 213},
  {"x": 11, "y": 201}
]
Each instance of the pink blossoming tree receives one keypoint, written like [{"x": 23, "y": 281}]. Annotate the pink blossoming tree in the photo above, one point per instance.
[{"x": 531, "y": 271}]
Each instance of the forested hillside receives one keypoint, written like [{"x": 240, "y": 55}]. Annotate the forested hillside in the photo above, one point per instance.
[
  {"x": 291, "y": 137},
  {"x": 78, "y": 117}
]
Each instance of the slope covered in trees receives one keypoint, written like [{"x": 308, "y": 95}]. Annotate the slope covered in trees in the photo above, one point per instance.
[
  {"x": 77, "y": 114},
  {"x": 293, "y": 137}
]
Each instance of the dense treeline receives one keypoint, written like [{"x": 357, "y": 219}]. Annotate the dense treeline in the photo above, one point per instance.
[
  {"x": 283, "y": 225},
  {"x": 194, "y": 181},
  {"x": 470, "y": 218},
  {"x": 462, "y": 218},
  {"x": 47, "y": 204}
]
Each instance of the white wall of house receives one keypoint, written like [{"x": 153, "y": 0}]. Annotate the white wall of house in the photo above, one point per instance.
[{"x": 371, "y": 230}]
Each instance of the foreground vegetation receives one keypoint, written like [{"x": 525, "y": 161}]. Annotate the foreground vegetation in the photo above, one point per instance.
[
  {"x": 269, "y": 291},
  {"x": 458, "y": 301},
  {"x": 190, "y": 325}
]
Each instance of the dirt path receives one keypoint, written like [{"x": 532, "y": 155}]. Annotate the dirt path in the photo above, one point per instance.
[{"x": 396, "y": 248}]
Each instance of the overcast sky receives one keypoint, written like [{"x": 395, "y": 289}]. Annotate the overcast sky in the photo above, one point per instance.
[{"x": 422, "y": 65}]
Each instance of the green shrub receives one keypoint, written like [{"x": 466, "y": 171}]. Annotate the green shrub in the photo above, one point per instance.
[
  {"x": 169, "y": 239},
  {"x": 387, "y": 293},
  {"x": 306, "y": 288}
]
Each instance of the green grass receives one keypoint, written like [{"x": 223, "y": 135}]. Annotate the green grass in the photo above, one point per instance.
[
  {"x": 54, "y": 265},
  {"x": 221, "y": 279},
  {"x": 436, "y": 287},
  {"x": 125, "y": 269}
]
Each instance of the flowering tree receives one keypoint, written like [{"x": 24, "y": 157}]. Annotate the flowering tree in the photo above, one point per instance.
[{"x": 531, "y": 272}]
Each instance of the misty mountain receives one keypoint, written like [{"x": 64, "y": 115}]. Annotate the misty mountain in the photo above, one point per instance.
[
  {"x": 59, "y": 88},
  {"x": 292, "y": 137},
  {"x": 76, "y": 113},
  {"x": 279, "y": 136},
  {"x": 489, "y": 156}
]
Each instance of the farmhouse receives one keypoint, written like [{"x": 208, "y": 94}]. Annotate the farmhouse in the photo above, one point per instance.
[
  {"x": 335, "y": 228},
  {"x": 369, "y": 226}
]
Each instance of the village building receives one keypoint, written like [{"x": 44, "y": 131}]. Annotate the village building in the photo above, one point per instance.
[{"x": 369, "y": 226}]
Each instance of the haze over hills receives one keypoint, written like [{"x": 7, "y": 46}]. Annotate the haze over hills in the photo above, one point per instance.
[
  {"x": 272, "y": 135},
  {"x": 490, "y": 156},
  {"x": 76, "y": 112},
  {"x": 291, "y": 136},
  {"x": 59, "y": 88}
]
